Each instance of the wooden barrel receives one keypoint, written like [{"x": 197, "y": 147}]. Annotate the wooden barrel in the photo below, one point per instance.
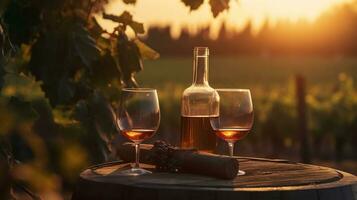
[{"x": 265, "y": 179}]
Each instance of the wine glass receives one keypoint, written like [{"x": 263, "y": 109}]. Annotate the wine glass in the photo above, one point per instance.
[
  {"x": 138, "y": 118},
  {"x": 235, "y": 116}
]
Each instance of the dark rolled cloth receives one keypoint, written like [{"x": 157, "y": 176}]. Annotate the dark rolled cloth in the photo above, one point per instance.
[{"x": 169, "y": 159}]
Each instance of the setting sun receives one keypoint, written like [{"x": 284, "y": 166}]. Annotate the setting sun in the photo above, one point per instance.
[{"x": 174, "y": 13}]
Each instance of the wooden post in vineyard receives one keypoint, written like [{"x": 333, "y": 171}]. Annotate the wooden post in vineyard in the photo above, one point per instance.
[{"x": 302, "y": 120}]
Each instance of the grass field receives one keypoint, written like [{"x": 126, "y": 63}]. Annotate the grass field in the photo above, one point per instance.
[{"x": 248, "y": 72}]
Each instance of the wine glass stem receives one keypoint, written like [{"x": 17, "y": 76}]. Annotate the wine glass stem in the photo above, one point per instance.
[
  {"x": 137, "y": 155},
  {"x": 231, "y": 148}
]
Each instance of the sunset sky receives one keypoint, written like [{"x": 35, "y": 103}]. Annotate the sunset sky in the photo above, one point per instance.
[{"x": 175, "y": 14}]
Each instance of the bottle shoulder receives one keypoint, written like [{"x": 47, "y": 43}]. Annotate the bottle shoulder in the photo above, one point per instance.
[
  {"x": 200, "y": 101},
  {"x": 198, "y": 89}
]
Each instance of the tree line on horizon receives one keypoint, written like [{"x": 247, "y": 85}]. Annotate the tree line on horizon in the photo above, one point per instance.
[{"x": 334, "y": 33}]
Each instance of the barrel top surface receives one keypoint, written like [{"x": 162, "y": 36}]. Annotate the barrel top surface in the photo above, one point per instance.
[{"x": 261, "y": 175}]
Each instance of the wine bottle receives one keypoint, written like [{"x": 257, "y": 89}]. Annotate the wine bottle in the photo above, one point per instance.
[{"x": 199, "y": 103}]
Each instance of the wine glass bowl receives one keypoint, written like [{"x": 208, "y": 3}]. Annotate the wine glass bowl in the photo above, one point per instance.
[
  {"x": 138, "y": 119},
  {"x": 235, "y": 116}
]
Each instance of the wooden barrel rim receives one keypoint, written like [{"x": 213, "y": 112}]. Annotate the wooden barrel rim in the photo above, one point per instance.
[{"x": 182, "y": 181}]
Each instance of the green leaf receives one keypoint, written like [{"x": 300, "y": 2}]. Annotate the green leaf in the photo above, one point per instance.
[
  {"x": 95, "y": 29},
  {"x": 6, "y": 47},
  {"x": 129, "y": 1},
  {"x": 81, "y": 112},
  {"x": 2, "y": 54},
  {"x": 137, "y": 27},
  {"x": 129, "y": 59},
  {"x": 85, "y": 45},
  {"x": 193, "y": 4},
  {"x": 2, "y": 42},
  {"x": 218, "y": 6},
  {"x": 105, "y": 70},
  {"x": 59, "y": 56},
  {"x": 66, "y": 90},
  {"x": 3, "y": 5},
  {"x": 23, "y": 109},
  {"x": 22, "y": 21},
  {"x": 97, "y": 115},
  {"x": 104, "y": 116},
  {"x": 124, "y": 18},
  {"x": 48, "y": 63},
  {"x": 145, "y": 51},
  {"x": 22, "y": 86}
]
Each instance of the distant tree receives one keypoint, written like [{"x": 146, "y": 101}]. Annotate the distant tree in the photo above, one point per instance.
[{"x": 330, "y": 34}]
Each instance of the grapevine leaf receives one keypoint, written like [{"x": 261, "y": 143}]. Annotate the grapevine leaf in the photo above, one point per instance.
[
  {"x": 104, "y": 116},
  {"x": 58, "y": 56},
  {"x": 2, "y": 72},
  {"x": 6, "y": 178},
  {"x": 125, "y": 17},
  {"x": 105, "y": 70},
  {"x": 129, "y": 1},
  {"x": 2, "y": 42},
  {"x": 6, "y": 47},
  {"x": 137, "y": 27},
  {"x": 85, "y": 45},
  {"x": 19, "y": 190},
  {"x": 45, "y": 123},
  {"x": 2, "y": 54},
  {"x": 218, "y": 6},
  {"x": 22, "y": 21},
  {"x": 98, "y": 5},
  {"x": 193, "y": 4},
  {"x": 129, "y": 59},
  {"x": 66, "y": 90},
  {"x": 47, "y": 62},
  {"x": 3, "y": 5},
  {"x": 81, "y": 112},
  {"x": 95, "y": 29},
  {"x": 95, "y": 114},
  {"x": 23, "y": 109},
  {"x": 145, "y": 51},
  {"x": 21, "y": 86}
]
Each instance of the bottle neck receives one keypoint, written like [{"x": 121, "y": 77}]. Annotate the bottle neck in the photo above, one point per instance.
[{"x": 200, "y": 70}]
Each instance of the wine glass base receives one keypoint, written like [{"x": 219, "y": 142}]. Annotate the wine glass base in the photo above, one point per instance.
[
  {"x": 134, "y": 172},
  {"x": 240, "y": 173}
]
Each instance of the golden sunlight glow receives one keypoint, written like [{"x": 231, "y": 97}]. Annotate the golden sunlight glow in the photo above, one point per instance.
[
  {"x": 133, "y": 133},
  {"x": 173, "y": 13},
  {"x": 228, "y": 133}
]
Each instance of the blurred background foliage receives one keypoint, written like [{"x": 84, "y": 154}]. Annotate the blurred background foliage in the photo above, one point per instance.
[
  {"x": 59, "y": 71},
  {"x": 331, "y": 112}
]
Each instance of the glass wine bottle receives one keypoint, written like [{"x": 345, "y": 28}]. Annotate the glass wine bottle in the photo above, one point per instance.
[{"x": 199, "y": 103}]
